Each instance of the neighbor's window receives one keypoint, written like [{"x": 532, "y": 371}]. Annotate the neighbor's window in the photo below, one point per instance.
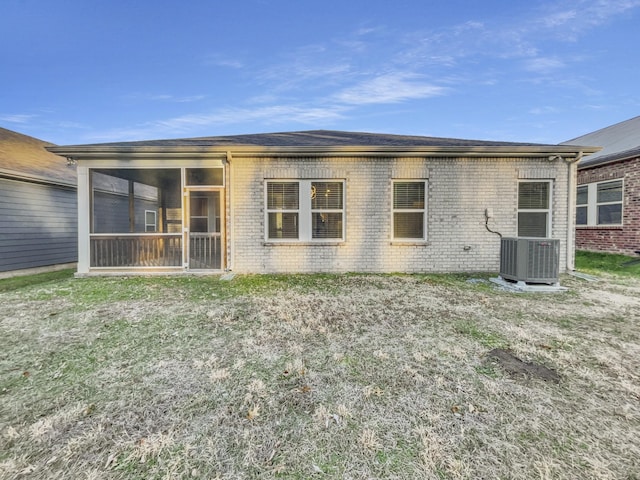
[
  {"x": 534, "y": 213},
  {"x": 609, "y": 201},
  {"x": 599, "y": 203},
  {"x": 409, "y": 210},
  {"x": 305, "y": 210},
  {"x": 150, "y": 220},
  {"x": 582, "y": 202}
]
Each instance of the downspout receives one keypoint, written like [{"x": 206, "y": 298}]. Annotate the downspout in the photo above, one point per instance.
[
  {"x": 572, "y": 176},
  {"x": 230, "y": 221}
]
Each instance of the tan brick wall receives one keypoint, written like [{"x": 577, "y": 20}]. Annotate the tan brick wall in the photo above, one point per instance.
[
  {"x": 625, "y": 239},
  {"x": 459, "y": 190}
]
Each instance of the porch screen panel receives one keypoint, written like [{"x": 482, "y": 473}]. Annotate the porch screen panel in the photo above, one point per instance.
[{"x": 136, "y": 217}]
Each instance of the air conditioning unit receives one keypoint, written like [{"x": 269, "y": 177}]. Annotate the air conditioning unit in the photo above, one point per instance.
[{"x": 530, "y": 260}]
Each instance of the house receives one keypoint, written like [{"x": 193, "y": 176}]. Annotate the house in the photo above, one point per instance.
[
  {"x": 38, "y": 212},
  {"x": 319, "y": 201},
  {"x": 608, "y": 191}
]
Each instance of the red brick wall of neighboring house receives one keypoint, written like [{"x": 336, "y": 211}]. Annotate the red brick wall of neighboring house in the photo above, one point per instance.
[{"x": 625, "y": 239}]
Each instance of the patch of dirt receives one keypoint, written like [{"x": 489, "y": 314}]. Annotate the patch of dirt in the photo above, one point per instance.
[{"x": 516, "y": 367}]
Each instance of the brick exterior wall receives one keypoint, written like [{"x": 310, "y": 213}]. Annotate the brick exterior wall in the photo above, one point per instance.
[
  {"x": 625, "y": 239},
  {"x": 459, "y": 191}
]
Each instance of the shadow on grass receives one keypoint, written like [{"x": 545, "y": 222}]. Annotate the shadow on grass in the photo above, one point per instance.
[{"x": 15, "y": 283}]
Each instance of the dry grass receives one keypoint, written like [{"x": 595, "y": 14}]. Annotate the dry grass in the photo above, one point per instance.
[{"x": 352, "y": 377}]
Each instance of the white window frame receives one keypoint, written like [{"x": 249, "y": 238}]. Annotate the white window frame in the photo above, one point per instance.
[
  {"x": 305, "y": 211},
  {"x": 547, "y": 210},
  {"x": 582, "y": 205},
  {"x": 151, "y": 227},
  {"x": 593, "y": 204},
  {"x": 423, "y": 210}
]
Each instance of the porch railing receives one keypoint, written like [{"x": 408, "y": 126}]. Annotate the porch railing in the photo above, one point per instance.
[
  {"x": 205, "y": 251},
  {"x": 136, "y": 250}
]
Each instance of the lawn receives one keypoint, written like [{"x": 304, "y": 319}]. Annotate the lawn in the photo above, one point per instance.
[{"x": 317, "y": 376}]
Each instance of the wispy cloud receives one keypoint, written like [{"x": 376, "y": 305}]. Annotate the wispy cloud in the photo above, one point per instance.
[
  {"x": 190, "y": 125},
  {"x": 165, "y": 97},
  {"x": 17, "y": 118},
  {"x": 224, "y": 61},
  {"x": 389, "y": 88},
  {"x": 546, "y": 110},
  {"x": 544, "y": 64},
  {"x": 269, "y": 114}
]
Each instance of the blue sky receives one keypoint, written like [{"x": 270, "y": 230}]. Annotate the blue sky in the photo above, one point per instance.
[{"x": 88, "y": 71}]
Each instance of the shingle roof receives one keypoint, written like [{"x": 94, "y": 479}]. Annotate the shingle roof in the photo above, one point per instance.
[
  {"x": 312, "y": 138},
  {"x": 24, "y": 156},
  {"x": 618, "y": 142},
  {"x": 317, "y": 142}
]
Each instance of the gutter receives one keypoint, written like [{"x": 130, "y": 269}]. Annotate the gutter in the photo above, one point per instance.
[
  {"x": 13, "y": 175},
  {"x": 189, "y": 151},
  {"x": 230, "y": 222},
  {"x": 572, "y": 175}
]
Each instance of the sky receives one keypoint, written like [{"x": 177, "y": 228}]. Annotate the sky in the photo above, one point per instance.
[{"x": 94, "y": 71}]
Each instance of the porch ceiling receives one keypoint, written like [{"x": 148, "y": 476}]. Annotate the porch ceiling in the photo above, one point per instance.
[{"x": 156, "y": 177}]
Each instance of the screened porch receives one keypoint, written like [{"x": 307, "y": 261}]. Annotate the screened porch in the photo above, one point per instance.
[{"x": 137, "y": 218}]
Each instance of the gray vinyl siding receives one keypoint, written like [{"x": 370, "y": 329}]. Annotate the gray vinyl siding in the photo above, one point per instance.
[
  {"x": 38, "y": 225},
  {"x": 111, "y": 213}
]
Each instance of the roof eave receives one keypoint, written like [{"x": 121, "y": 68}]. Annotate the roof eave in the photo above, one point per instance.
[
  {"x": 187, "y": 151},
  {"x": 21, "y": 176},
  {"x": 607, "y": 161}
]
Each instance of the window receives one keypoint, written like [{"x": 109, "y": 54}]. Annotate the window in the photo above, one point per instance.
[
  {"x": 409, "y": 210},
  {"x": 283, "y": 211},
  {"x": 582, "y": 205},
  {"x": 305, "y": 210},
  {"x": 150, "y": 220},
  {"x": 599, "y": 203},
  {"x": 534, "y": 214}
]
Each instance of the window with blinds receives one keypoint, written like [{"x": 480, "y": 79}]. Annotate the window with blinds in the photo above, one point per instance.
[
  {"x": 305, "y": 210},
  {"x": 326, "y": 209},
  {"x": 409, "y": 210},
  {"x": 534, "y": 213},
  {"x": 283, "y": 210}
]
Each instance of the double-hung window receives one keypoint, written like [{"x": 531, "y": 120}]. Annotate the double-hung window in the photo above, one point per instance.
[
  {"x": 409, "y": 210},
  {"x": 534, "y": 208},
  {"x": 582, "y": 205},
  {"x": 600, "y": 203},
  {"x": 305, "y": 210}
]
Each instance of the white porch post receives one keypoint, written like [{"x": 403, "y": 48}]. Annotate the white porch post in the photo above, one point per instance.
[{"x": 84, "y": 219}]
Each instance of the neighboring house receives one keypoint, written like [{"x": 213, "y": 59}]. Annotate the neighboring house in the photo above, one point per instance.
[
  {"x": 38, "y": 206},
  {"x": 608, "y": 191},
  {"x": 320, "y": 201}
]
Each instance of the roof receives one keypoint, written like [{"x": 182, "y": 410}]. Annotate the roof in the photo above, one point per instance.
[
  {"x": 313, "y": 141},
  {"x": 26, "y": 157},
  {"x": 619, "y": 142}
]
